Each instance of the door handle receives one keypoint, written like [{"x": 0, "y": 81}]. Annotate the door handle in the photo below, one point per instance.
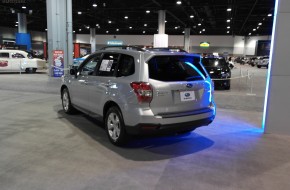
[{"x": 83, "y": 82}]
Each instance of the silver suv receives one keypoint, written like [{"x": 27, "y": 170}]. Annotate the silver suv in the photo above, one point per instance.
[{"x": 136, "y": 92}]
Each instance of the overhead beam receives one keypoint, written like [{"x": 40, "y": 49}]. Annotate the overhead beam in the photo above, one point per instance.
[
  {"x": 246, "y": 20},
  {"x": 169, "y": 12}
]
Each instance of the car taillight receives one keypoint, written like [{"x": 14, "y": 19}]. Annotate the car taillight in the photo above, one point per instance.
[{"x": 143, "y": 91}]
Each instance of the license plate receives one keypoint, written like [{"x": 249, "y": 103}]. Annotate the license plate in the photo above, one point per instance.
[{"x": 187, "y": 96}]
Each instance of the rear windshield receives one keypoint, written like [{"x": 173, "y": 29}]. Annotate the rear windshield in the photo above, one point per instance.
[
  {"x": 176, "y": 68},
  {"x": 214, "y": 62}
]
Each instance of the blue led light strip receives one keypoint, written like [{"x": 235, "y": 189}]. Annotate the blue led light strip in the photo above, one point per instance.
[{"x": 267, "y": 93}]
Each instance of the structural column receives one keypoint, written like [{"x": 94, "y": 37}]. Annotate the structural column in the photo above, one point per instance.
[
  {"x": 187, "y": 39},
  {"x": 22, "y": 23},
  {"x": 161, "y": 39},
  {"x": 161, "y": 21},
  {"x": 22, "y": 37},
  {"x": 276, "y": 110},
  {"x": 69, "y": 30},
  {"x": 93, "y": 39},
  {"x": 59, "y": 31}
]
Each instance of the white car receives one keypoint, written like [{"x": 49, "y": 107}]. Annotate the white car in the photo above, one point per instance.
[
  {"x": 263, "y": 62},
  {"x": 18, "y": 60}
]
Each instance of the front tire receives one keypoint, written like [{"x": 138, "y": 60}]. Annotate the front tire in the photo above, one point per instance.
[
  {"x": 228, "y": 87},
  {"x": 30, "y": 70},
  {"x": 66, "y": 102},
  {"x": 115, "y": 126}
]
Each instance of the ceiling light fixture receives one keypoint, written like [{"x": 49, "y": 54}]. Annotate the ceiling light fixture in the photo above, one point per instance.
[
  {"x": 178, "y": 2},
  {"x": 260, "y": 24},
  {"x": 228, "y": 32},
  {"x": 126, "y": 17},
  {"x": 16, "y": 24},
  {"x": 88, "y": 27},
  {"x": 80, "y": 29},
  {"x": 182, "y": 32},
  {"x": 23, "y": 7},
  {"x": 199, "y": 24},
  {"x": 254, "y": 29},
  {"x": 258, "y": 27},
  {"x": 200, "y": 32},
  {"x": 144, "y": 32},
  {"x": 203, "y": 30},
  {"x": 79, "y": 12},
  {"x": 229, "y": 9},
  {"x": 109, "y": 22},
  {"x": 130, "y": 27},
  {"x": 228, "y": 20},
  {"x": 74, "y": 31},
  {"x": 269, "y": 15},
  {"x": 107, "y": 31},
  {"x": 145, "y": 24},
  {"x": 147, "y": 11},
  {"x": 97, "y": 25},
  {"x": 175, "y": 27},
  {"x": 95, "y": 5},
  {"x": 117, "y": 29},
  {"x": 250, "y": 34},
  {"x": 191, "y": 16},
  {"x": 228, "y": 27}
]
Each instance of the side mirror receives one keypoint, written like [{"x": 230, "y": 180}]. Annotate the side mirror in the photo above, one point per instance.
[{"x": 73, "y": 71}]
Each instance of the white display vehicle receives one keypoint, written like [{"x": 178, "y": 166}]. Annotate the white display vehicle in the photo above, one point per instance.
[{"x": 18, "y": 60}]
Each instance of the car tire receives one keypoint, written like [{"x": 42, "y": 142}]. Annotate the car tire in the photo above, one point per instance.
[
  {"x": 115, "y": 127},
  {"x": 66, "y": 102},
  {"x": 259, "y": 66},
  {"x": 28, "y": 70},
  {"x": 228, "y": 87}
]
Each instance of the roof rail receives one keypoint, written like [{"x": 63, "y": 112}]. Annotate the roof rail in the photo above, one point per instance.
[
  {"x": 122, "y": 47},
  {"x": 167, "y": 49}
]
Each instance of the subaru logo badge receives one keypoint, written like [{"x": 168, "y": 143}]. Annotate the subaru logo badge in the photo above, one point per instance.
[
  {"x": 188, "y": 85},
  {"x": 187, "y": 94}
]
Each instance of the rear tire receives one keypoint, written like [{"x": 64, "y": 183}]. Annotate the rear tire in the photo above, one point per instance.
[
  {"x": 66, "y": 102},
  {"x": 115, "y": 126},
  {"x": 259, "y": 66},
  {"x": 228, "y": 87}
]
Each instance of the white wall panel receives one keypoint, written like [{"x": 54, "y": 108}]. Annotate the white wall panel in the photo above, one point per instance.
[
  {"x": 239, "y": 45},
  {"x": 8, "y": 33}
]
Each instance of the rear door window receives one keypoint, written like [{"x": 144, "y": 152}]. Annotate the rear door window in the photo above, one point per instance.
[
  {"x": 176, "y": 68},
  {"x": 126, "y": 66},
  {"x": 214, "y": 62}
]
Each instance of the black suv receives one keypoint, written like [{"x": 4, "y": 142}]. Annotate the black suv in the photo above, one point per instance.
[{"x": 219, "y": 71}]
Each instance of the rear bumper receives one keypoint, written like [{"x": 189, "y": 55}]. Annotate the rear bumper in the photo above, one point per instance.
[
  {"x": 150, "y": 128},
  {"x": 222, "y": 83}
]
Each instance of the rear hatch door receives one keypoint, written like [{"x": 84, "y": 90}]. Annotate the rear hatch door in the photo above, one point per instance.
[{"x": 180, "y": 85}]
